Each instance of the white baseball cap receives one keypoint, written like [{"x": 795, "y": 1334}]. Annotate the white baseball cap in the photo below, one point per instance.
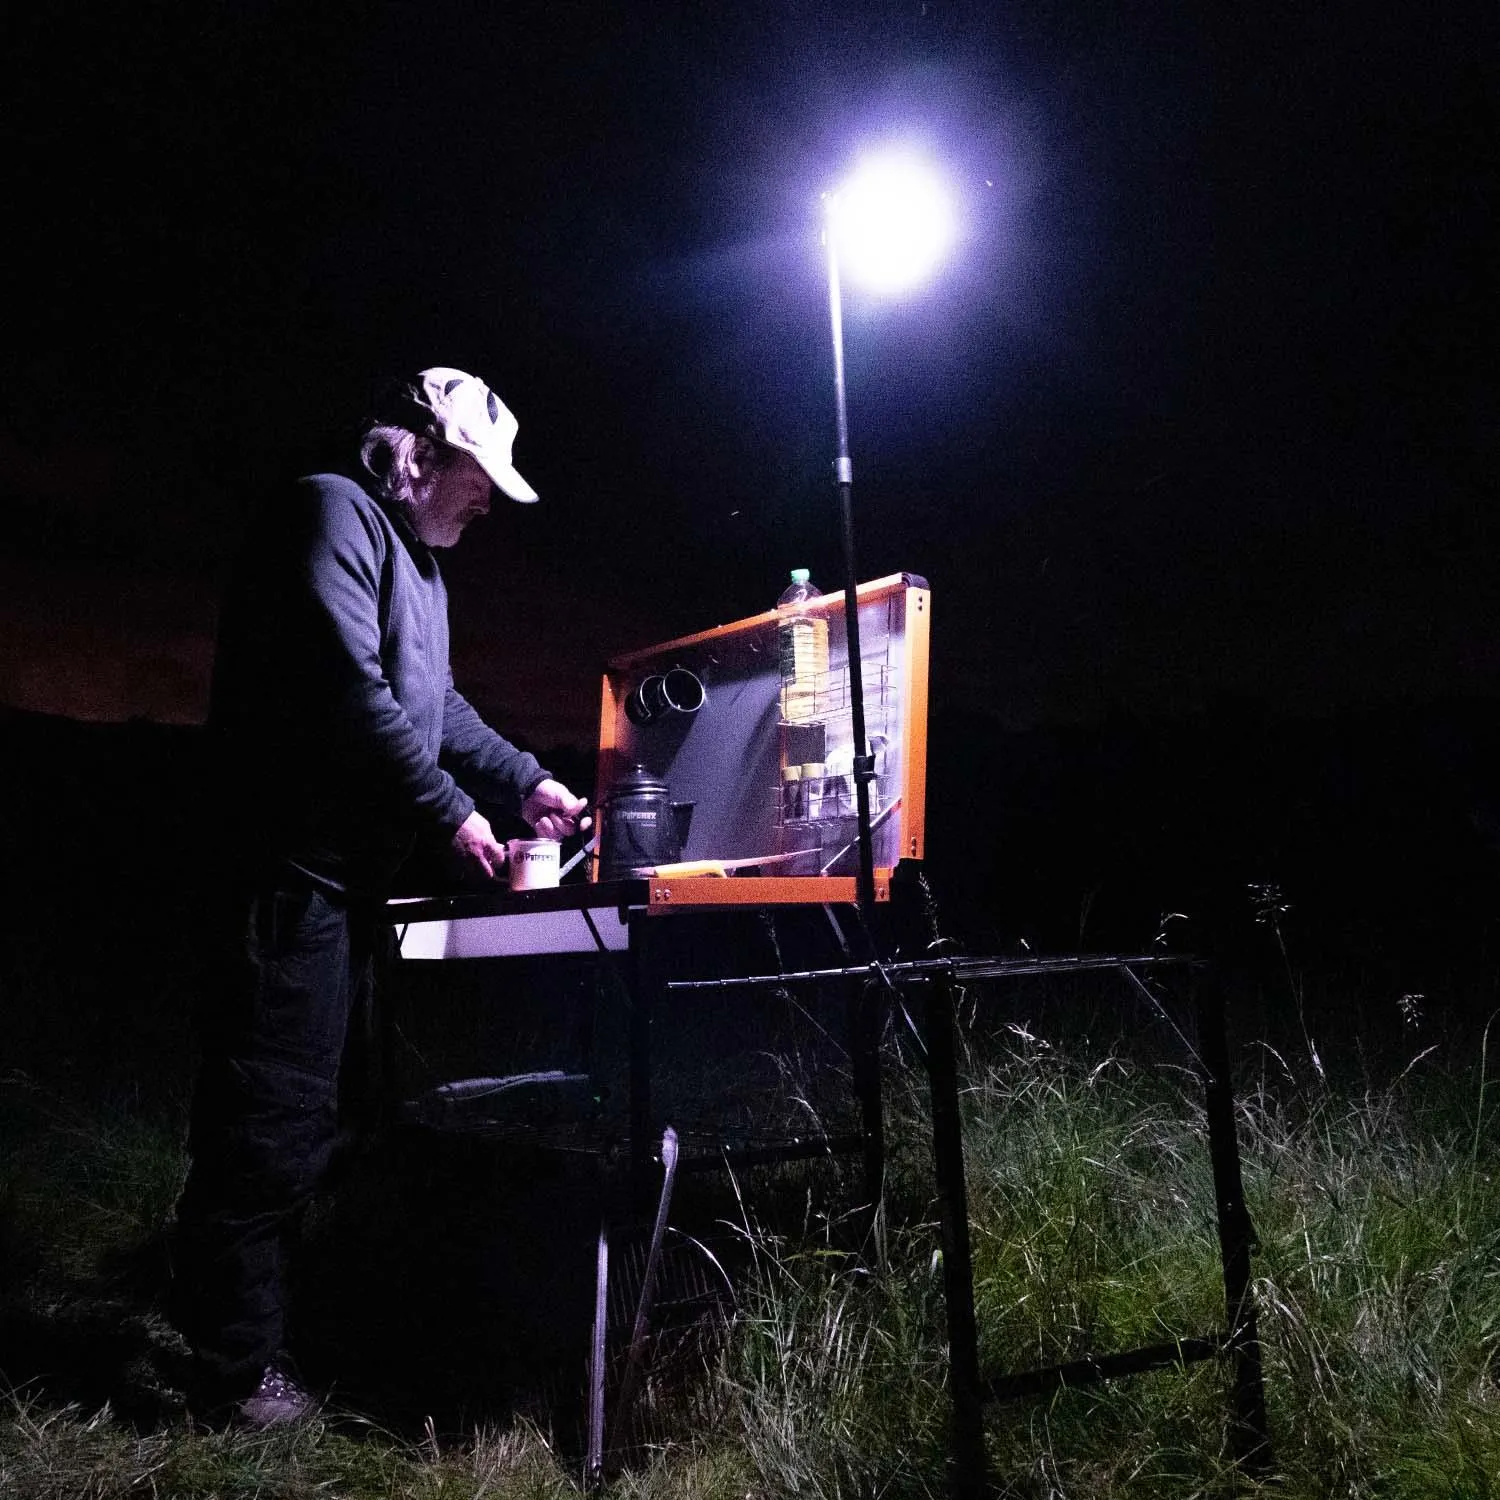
[{"x": 462, "y": 411}]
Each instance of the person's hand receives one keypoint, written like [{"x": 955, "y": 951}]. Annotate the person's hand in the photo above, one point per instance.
[
  {"x": 554, "y": 811},
  {"x": 474, "y": 842}
]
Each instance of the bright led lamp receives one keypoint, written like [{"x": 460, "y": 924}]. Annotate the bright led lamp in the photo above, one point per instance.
[{"x": 892, "y": 222}]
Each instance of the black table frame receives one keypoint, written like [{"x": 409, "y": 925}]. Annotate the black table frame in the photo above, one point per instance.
[
  {"x": 643, "y": 917},
  {"x": 1238, "y": 1341}
]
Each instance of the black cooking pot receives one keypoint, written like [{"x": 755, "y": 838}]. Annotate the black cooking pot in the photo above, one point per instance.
[{"x": 640, "y": 826}]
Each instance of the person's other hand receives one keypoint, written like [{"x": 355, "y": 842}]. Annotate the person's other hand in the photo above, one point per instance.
[
  {"x": 474, "y": 842},
  {"x": 553, "y": 811}
]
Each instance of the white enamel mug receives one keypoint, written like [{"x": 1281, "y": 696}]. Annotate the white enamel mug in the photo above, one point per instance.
[{"x": 534, "y": 863}]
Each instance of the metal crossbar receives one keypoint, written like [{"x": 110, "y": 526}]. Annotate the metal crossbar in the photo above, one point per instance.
[{"x": 958, "y": 968}]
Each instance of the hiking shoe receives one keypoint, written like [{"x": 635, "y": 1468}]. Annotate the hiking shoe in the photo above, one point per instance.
[{"x": 276, "y": 1401}]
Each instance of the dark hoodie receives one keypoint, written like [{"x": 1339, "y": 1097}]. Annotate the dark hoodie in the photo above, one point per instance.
[{"x": 341, "y": 733}]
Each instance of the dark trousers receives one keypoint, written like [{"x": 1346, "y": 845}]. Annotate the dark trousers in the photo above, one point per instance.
[{"x": 293, "y": 1013}]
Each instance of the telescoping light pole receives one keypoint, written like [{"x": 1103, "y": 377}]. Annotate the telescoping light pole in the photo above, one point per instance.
[{"x": 889, "y": 226}]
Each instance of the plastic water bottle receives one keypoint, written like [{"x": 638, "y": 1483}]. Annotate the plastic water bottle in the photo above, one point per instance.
[{"x": 802, "y": 647}]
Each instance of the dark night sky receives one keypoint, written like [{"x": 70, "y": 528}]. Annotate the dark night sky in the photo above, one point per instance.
[{"x": 1202, "y": 405}]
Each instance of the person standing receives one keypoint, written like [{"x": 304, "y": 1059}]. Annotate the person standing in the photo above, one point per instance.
[{"x": 344, "y": 747}]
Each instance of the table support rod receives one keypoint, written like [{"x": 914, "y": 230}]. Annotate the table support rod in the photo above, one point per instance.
[{"x": 961, "y": 969}]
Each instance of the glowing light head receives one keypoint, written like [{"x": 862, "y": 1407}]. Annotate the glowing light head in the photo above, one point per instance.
[{"x": 892, "y": 223}]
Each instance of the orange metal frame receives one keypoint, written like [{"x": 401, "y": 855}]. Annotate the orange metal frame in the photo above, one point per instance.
[{"x": 666, "y": 894}]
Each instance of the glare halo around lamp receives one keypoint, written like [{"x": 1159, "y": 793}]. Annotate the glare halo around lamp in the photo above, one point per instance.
[{"x": 888, "y": 227}]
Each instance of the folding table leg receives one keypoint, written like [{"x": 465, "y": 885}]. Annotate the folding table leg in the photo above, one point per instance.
[
  {"x": 866, "y": 1017},
  {"x": 641, "y": 984},
  {"x": 865, "y": 1011},
  {"x": 1249, "y": 1436},
  {"x": 958, "y": 1271},
  {"x": 910, "y": 909},
  {"x": 594, "y": 1462},
  {"x": 630, "y": 1381}
]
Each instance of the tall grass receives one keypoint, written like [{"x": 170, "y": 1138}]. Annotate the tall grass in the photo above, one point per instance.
[
  {"x": 1380, "y": 1277},
  {"x": 1377, "y": 1275}
]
